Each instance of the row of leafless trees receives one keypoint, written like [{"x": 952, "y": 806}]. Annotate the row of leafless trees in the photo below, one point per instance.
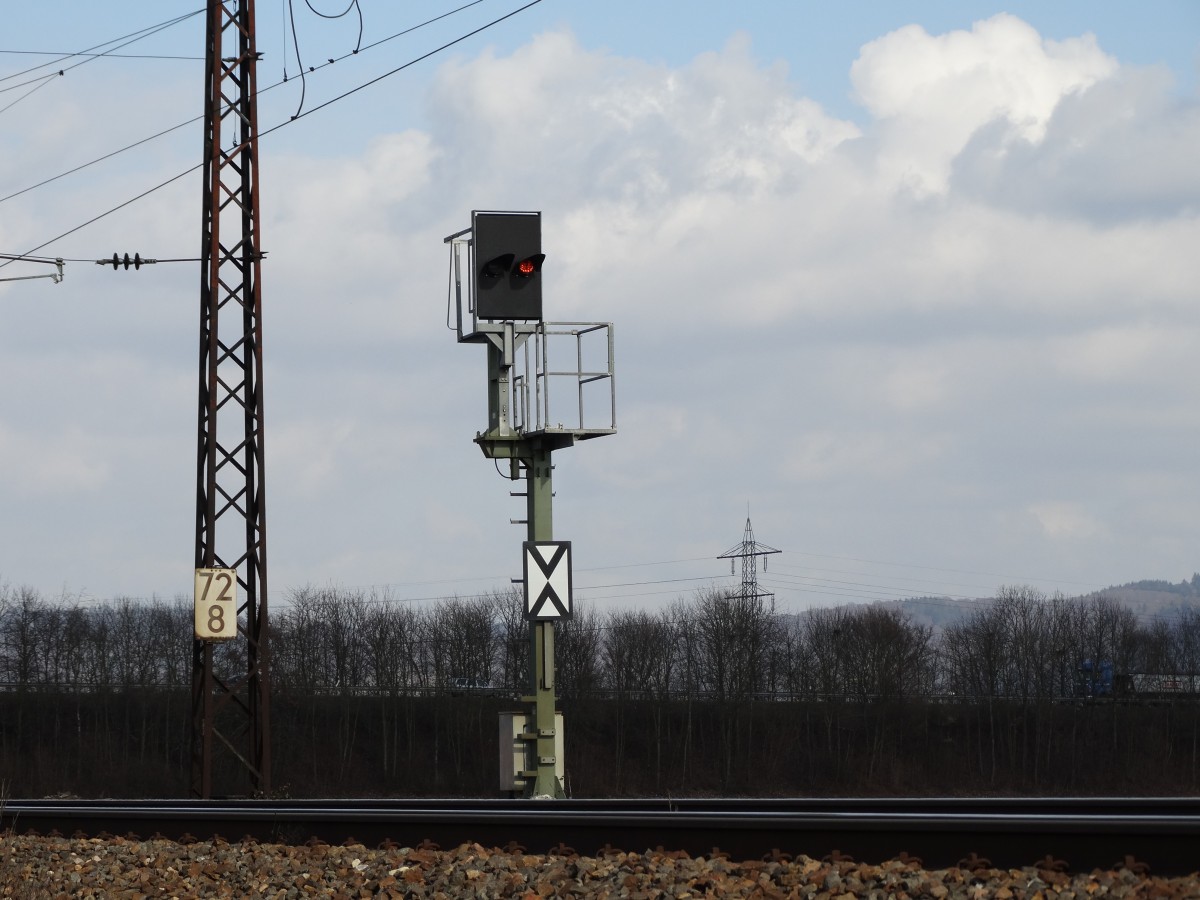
[
  {"x": 1024, "y": 646},
  {"x": 64, "y": 643},
  {"x": 672, "y": 701}
]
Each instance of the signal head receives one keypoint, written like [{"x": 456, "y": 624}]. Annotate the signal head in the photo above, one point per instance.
[{"x": 508, "y": 254}]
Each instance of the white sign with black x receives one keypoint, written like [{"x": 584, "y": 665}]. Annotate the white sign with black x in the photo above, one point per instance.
[{"x": 547, "y": 570}]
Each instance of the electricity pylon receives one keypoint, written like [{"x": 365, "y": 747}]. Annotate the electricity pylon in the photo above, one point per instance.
[{"x": 748, "y": 551}]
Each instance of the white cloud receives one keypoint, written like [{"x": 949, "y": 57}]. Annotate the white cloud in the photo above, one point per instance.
[
  {"x": 622, "y": 128},
  {"x": 985, "y": 288},
  {"x": 685, "y": 194},
  {"x": 60, "y": 462},
  {"x": 308, "y": 454},
  {"x": 1127, "y": 354},
  {"x": 828, "y": 455},
  {"x": 1063, "y": 521},
  {"x": 1120, "y": 151},
  {"x": 917, "y": 385},
  {"x": 930, "y": 93}
]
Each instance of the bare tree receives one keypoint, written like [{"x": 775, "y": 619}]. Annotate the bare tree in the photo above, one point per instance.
[
  {"x": 975, "y": 654},
  {"x": 1102, "y": 633},
  {"x": 734, "y": 633},
  {"x": 825, "y": 632},
  {"x": 20, "y": 631},
  {"x": 390, "y": 634},
  {"x": 462, "y": 637},
  {"x": 508, "y": 611},
  {"x": 638, "y": 660},
  {"x": 577, "y": 652},
  {"x": 886, "y": 656},
  {"x": 627, "y": 653},
  {"x": 1186, "y": 650},
  {"x": 299, "y": 658}
]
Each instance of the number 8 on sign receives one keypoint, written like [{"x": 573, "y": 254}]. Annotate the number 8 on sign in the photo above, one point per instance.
[{"x": 216, "y": 604}]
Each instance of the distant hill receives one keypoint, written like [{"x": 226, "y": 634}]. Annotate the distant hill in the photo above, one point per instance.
[
  {"x": 1149, "y": 599},
  {"x": 1156, "y": 599},
  {"x": 1190, "y": 589},
  {"x": 938, "y": 612}
]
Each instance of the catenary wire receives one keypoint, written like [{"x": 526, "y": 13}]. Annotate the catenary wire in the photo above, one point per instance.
[
  {"x": 890, "y": 591},
  {"x": 45, "y": 81},
  {"x": 280, "y": 125},
  {"x": 594, "y": 626},
  {"x": 401, "y": 68},
  {"x": 261, "y": 91},
  {"x": 808, "y": 555},
  {"x": 931, "y": 568},
  {"x": 299, "y": 61},
  {"x": 296, "y": 41},
  {"x": 128, "y": 39},
  {"x": 82, "y": 599},
  {"x": 65, "y": 54},
  {"x": 353, "y": 4}
]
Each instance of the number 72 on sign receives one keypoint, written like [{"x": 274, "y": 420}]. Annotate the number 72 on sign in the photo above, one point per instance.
[{"x": 216, "y": 604}]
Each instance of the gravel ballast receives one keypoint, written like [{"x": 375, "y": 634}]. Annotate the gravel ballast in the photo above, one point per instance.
[{"x": 52, "y": 867}]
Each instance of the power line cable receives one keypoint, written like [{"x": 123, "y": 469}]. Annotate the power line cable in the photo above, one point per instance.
[
  {"x": 261, "y": 91},
  {"x": 891, "y": 578},
  {"x": 81, "y": 599},
  {"x": 101, "y": 159},
  {"x": 820, "y": 584},
  {"x": 44, "y": 81},
  {"x": 299, "y": 62},
  {"x": 786, "y": 582},
  {"x": 109, "y": 212},
  {"x": 65, "y": 54},
  {"x": 283, "y": 124},
  {"x": 353, "y": 4},
  {"x": 412, "y": 62},
  {"x": 933, "y": 568},
  {"x": 296, "y": 41},
  {"x": 131, "y": 38}
]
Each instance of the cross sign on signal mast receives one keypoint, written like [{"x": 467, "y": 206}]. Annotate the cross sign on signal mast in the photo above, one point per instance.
[{"x": 547, "y": 572}]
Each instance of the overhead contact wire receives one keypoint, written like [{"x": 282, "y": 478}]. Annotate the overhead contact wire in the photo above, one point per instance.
[
  {"x": 412, "y": 62},
  {"x": 66, "y": 55},
  {"x": 274, "y": 128},
  {"x": 45, "y": 81},
  {"x": 261, "y": 91},
  {"x": 128, "y": 39}
]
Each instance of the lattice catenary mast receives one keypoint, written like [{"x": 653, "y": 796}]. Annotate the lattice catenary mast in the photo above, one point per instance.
[{"x": 230, "y": 706}]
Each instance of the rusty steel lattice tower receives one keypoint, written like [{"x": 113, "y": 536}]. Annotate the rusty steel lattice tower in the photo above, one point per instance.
[
  {"x": 748, "y": 551},
  {"x": 231, "y": 691}
]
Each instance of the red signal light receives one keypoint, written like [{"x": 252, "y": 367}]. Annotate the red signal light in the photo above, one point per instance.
[{"x": 529, "y": 266}]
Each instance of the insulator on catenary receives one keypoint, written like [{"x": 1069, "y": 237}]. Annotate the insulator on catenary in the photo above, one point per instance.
[{"x": 117, "y": 261}]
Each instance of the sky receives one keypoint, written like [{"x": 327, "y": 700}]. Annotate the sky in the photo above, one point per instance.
[{"x": 913, "y": 286}]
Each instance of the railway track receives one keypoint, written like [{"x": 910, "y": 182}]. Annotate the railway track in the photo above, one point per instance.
[{"x": 1076, "y": 834}]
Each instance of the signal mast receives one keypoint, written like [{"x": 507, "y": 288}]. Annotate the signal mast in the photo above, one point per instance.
[{"x": 503, "y": 274}]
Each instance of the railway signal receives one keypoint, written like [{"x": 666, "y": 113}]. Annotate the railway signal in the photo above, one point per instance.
[
  {"x": 508, "y": 265},
  {"x": 504, "y": 313}
]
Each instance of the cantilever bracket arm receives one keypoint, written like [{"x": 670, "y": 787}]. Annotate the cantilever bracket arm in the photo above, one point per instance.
[{"x": 56, "y": 277}]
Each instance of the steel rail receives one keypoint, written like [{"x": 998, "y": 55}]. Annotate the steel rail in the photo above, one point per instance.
[{"x": 1082, "y": 833}]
